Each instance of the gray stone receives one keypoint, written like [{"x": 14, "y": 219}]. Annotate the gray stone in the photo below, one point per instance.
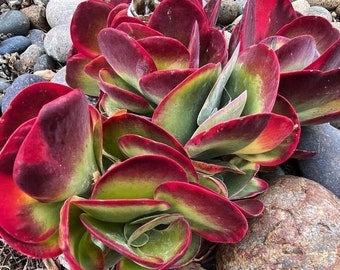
[
  {"x": 60, "y": 11},
  {"x": 298, "y": 230},
  {"x": 28, "y": 59},
  {"x": 324, "y": 166},
  {"x": 328, "y": 4},
  {"x": 240, "y": 6},
  {"x": 37, "y": 36},
  {"x": 40, "y": 2},
  {"x": 19, "y": 84},
  {"x": 4, "y": 85},
  {"x": 45, "y": 62},
  {"x": 14, "y": 22},
  {"x": 337, "y": 10},
  {"x": 58, "y": 42},
  {"x": 321, "y": 12},
  {"x": 14, "y": 44},
  {"x": 60, "y": 76},
  {"x": 301, "y": 6},
  {"x": 228, "y": 12}
]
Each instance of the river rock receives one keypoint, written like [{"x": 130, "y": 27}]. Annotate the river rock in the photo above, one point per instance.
[
  {"x": 299, "y": 229},
  {"x": 61, "y": 11},
  {"x": 321, "y": 12},
  {"x": 14, "y": 23},
  {"x": 301, "y": 6},
  {"x": 228, "y": 12},
  {"x": 58, "y": 42},
  {"x": 28, "y": 59},
  {"x": 37, "y": 17},
  {"x": 45, "y": 62},
  {"x": 328, "y": 4},
  {"x": 19, "y": 83},
  {"x": 60, "y": 76},
  {"x": 324, "y": 166},
  {"x": 14, "y": 44},
  {"x": 37, "y": 37}
]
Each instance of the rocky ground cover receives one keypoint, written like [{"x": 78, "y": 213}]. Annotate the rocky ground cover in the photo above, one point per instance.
[{"x": 34, "y": 43}]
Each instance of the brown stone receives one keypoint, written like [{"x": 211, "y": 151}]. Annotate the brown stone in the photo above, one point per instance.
[
  {"x": 37, "y": 17},
  {"x": 299, "y": 229}
]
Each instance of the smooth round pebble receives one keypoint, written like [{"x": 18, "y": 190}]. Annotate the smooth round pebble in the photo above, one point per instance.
[
  {"x": 328, "y": 4},
  {"x": 240, "y": 6},
  {"x": 301, "y": 6},
  {"x": 4, "y": 85},
  {"x": 37, "y": 36},
  {"x": 60, "y": 76},
  {"x": 337, "y": 10},
  {"x": 15, "y": 23},
  {"x": 45, "y": 62},
  {"x": 60, "y": 11},
  {"x": 321, "y": 12},
  {"x": 18, "y": 84},
  {"x": 228, "y": 12},
  {"x": 14, "y": 44},
  {"x": 37, "y": 17},
  {"x": 58, "y": 42},
  {"x": 28, "y": 59}
]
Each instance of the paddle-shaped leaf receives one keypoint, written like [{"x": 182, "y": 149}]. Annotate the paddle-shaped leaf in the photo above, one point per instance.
[
  {"x": 260, "y": 81},
  {"x": 137, "y": 177},
  {"x": 127, "y": 57},
  {"x": 209, "y": 214},
  {"x": 57, "y": 155},
  {"x": 137, "y": 30},
  {"x": 250, "y": 207},
  {"x": 178, "y": 111}
]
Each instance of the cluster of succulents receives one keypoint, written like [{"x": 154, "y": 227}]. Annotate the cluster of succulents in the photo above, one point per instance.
[{"x": 168, "y": 157}]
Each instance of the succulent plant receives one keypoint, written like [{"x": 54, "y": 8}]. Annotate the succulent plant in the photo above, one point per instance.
[{"x": 168, "y": 157}]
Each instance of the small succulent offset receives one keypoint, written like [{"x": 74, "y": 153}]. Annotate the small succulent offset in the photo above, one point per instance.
[{"x": 167, "y": 160}]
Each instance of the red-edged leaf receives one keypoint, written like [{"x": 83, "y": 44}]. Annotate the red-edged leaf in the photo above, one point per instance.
[
  {"x": 76, "y": 76},
  {"x": 176, "y": 19},
  {"x": 250, "y": 207},
  {"x": 318, "y": 27},
  {"x": 167, "y": 53},
  {"x": 261, "y": 19},
  {"x": 179, "y": 110},
  {"x": 126, "y": 123},
  {"x": 137, "y": 30},
  {"x": 56, "y": 159},
  {"x": 211, "y": 9},
  {"x": 328, "y": 60},
  {"x": 234, "y": 136},
  {"x": 95, "y": 65},
  {"x": 127, "y": 57},
  {"x": 260, "y": 81},
  {"x": 137, "y": 177},
  {"x": 194, "y": 46},
  {"x": 275, "y": 42},
  {"x": 297, "y": 53},
  {"x": 120, "y": 9},
  {"x": 253, "y": 187},
  {"x": 88, "y": 19},
  {"x": 120, "y": 211},
  {"x": 213, "y": 184},
  {"x": 209, "y": 214},
  {"x": 134, "y": 145},
  {"x": 41, "y": 93},
  {"x": 156, "y": 85},
  {"x": 213, "y": 167},
  {"x": 315, "y": 95},
  {"x": 122, "y": 98}
]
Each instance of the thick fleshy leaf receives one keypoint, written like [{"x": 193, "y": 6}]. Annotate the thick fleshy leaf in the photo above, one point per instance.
[
  {"x": 163, "y": 248},
  {"x": 58, "y": 151},
  {"x": 194, "y": 46},
  {"x": 35, "y": 227},
  {"x": 260, "y": 81},
  {"x": 315, "y": 95},
  {"x": 95, "y": 65},
  {"x": 126, "y": 123},
  {"x": 120, "y": 211},
  {"x": 137, "y": 30},
  {"x": 252, "y": 188},
  {"x": 176, "y": 19},
  {"x": 213, "y": 167},
  {"x": 122, "y": 98},
  {"x": 297, "y": 53},
  {"x": 231, "y": 111},
  {"x": 178, "y": 111},
  {"x": 211, "y": 9},
  {"x": 156, "y": 85},
  {"x": 42, "y": 93},
  {"x": 74, "y": 240},
  {"x": 167, "y": 53},
  {"x": 236, "y": 183},
  {"x": 120, "y": 9},
  {"x": 328, "y": 60},
  {"x": 76, "y": 76},
  {"x": 214, "y": 184},
  {"x": 209, "y": 214},
  {"x": 127, "y": 57},
  {"x": 287, "y": 147},
  {"x": 261, "y": 19},
  {"x": 321, "y": 29},
  {"x": 88, "y": 19},
  {"x": 250, "y": 207},
  {"x": 137, "y": 177},
  {"x": 134, "y": 145},
  {"x": 213, "y": 101},
  {"x": 233, "y": 137},
  {"x": 275, "y": 42}
]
